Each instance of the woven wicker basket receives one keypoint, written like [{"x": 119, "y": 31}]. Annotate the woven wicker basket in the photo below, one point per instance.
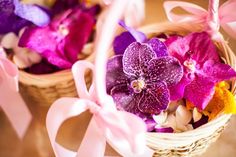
[
  {"x": 194, "y": 142},
  {"x": 46, "y": 88}
]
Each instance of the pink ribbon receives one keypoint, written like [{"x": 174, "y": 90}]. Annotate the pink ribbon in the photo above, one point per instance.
[
  {"x": 211, "y": 20},
  {"x": 10, "y": 100},
  {"x": 124, "y": 131}
]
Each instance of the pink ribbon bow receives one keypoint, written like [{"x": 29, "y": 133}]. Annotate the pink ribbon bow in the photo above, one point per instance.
[
  {"x": 124, "y": 131},
  {"x": 10, "y": 100},
  {"x": 225, "y": 16}
]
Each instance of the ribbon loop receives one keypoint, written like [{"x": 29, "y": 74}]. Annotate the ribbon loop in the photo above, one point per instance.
[{"x": 211, "y": 20}]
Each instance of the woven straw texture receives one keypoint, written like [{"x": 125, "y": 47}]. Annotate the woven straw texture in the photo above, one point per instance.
[
  {"x": 194, "y": 142},
  {"x": 46, "y": 88}
]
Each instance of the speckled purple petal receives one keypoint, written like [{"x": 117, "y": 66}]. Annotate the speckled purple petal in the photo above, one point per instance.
[
  {"x": 158, "y": 46},
  {"x": 218, "y": 71},
  {"x": 122, "y": 41},
  {"x": 136, "y": 58},
  {"x": 164, "y": 130},
  {"x": 202, "y": 47},
  {"x": 154, "y": 99},
  {"x": 115, "y": 75},
  {"x": 139, "y": 36},
  {"x": 125, "y": 100},
  {"x": 31, "y": 13},
  {"x": 200, "y": 91},
  {"x": 166, "y": 69}
]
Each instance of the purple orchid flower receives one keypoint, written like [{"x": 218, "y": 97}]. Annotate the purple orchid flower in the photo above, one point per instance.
[
  {"x": 202, "y": 68},
  {"x": 138, "y": 81},
  {"x": 62, "y": 40},
  {"x": 15, "y": 16}
]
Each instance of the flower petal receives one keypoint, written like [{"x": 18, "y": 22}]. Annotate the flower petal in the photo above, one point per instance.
[
  {"x": 150, "y": 123},
  {"x": 122, "y": 41},
  {"x": 183, "y": 116},
  {"x": 155, "y": 99},
  {"x": 115, "y": 75},
  {"x": 164, "y": 130},
  {"x": 158, "y": 46},
  {"x": 201, "y": 122},
  {"x": 177, "y": 91},
  {"x": 177, "y": 47},
  {"x": 167, "y": 69},
  {"x": 160, "y": 118},
  {"x": 199, "y": 91},
  {"x": 218, "y": 71},
  {"x": 139, "y": 36},
  {"x": 31, "y": 13},
  {"x": 202, "y": 47},
  {"x": 136, "y": 58}
]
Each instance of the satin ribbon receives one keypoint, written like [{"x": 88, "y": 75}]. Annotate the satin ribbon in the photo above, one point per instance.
[
  {"x": 10, "y": 100},
  {"x": 211, "y": 20},
  {"x": 124, "y": 131}
]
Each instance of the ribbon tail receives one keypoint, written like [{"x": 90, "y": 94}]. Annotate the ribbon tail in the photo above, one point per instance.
[
  {"x": 16, "y": 110},
  {"x": 94, "y": 142}
]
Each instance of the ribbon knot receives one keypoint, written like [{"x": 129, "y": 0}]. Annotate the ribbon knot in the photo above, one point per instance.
[{"x": 211, "y": 20}]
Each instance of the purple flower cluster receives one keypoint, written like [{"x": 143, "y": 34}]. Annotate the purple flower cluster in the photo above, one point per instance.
[{"x": 145, "y": 75}]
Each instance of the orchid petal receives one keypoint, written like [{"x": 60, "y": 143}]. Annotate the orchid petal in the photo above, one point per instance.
[
  {"x": 158, "y": 46},
  {"x": 115, "y": 75},
  {"x": 139, "y": 36},
  {"x": 167, "y": 69},
  {"x": 122, "y": 41},
  {"x": 218, "y": 71},
  {"x": 155, "y": 99},
  {"x": 136, "y": 58},
  {"x": 31, "y": 13},
  {"x": 199, "y": 91}
]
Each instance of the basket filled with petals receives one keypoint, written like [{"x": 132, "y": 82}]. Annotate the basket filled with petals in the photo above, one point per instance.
[
  {"x": 46, "y": 42},
  {"x": 179, "y": 80}
]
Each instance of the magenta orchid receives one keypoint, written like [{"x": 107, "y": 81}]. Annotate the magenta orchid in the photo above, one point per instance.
[
  {"x": 61, "y": 40},
  {"x": 202, "y": 68}
]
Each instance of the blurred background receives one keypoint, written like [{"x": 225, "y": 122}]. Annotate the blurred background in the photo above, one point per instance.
[{"x": 36, "y": 144}]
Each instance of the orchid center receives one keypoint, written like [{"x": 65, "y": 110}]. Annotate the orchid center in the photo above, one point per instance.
[
  {"x": 138, "y": 85},
  {"x": 190, "y": 64},
  {"x": 63, "y": 30}
]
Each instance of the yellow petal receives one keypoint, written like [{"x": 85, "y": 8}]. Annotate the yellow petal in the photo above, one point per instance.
[{"x": 222, "y": 101}]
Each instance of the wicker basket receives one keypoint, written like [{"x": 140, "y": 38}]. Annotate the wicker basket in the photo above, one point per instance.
[
  {"x": 194, "y": 142},
  {"x": 46, "y": 88}
]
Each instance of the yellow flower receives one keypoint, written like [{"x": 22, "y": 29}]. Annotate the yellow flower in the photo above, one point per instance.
[{"x": 222, "y": 102}]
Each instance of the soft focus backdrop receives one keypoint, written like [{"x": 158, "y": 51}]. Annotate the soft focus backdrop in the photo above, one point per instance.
[{"x": 36, "y": 144}]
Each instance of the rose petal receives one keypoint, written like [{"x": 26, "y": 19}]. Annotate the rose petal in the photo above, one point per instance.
[
  {"x": 167, "y": 69},
  {"x": 115, "y": 75},
  {"x": 139, "y": 36},
  {"x": 154, "y": 99},
  {"x": 196, "y": 115},
  {"x": 160, "y": 118},
  {"x": 122, "y": 41},
  {"x": 42, "y": 68},
  {"x": 31, "y": 13},
  {"x": 218, "y": 71},
  {"x": 202, "y": 47},
  {"x": 136, "y": 58},
  {"x": 158, "y": 46},
  {"x": 199, "y": 91},
  {"x": 62, "y": 5}
]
